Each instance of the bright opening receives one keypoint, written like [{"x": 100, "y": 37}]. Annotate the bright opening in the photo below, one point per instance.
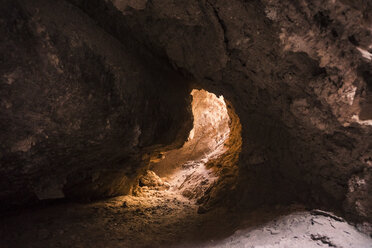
[
  {"x": 206, "y": 139},
  {"x": 194, "y": 168},
  {"x": 185, "y": 168}
]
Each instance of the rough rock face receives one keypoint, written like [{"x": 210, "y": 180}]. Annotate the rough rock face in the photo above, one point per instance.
[
  {"x": 298, "y": 74},
  {"x": 79, "y": 110},
  {"x": 151, "y": 180}
]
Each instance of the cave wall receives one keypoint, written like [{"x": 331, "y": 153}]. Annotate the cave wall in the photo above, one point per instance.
[
  {"x": 79, "y": 110},
  {"x": 296, "y": 72}
]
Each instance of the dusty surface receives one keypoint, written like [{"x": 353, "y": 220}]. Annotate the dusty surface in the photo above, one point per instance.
[
  {"x": 298, "y": 229},
  {"x": 167, "y": 219},
  {"x": 166, "y": 214}
]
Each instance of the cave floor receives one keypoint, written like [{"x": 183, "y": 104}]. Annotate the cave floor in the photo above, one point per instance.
[{"x": 167, "y": 219}]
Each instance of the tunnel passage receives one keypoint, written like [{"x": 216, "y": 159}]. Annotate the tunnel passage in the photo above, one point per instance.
[
  {"x": 210, "y": 152},
  {"x": 90, "y": 91},
  {"x": 210, "y": 130},
  {"x": 288, "y": 104}
]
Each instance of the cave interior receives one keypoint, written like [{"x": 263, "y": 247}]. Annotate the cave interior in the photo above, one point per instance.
[{"x": 190, "y": 123}]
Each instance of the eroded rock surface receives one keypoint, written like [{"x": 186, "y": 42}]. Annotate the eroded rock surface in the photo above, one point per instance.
[
  {"x": 77, "y": 107},
  {"x": 297, "y": 74}
]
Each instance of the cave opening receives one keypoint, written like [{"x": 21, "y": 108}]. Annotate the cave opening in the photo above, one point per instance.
[
  {"x": 210, "y": 152},
  {"x": 206, "y": 139}
]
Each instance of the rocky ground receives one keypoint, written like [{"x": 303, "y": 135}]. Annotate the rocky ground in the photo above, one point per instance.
[{"x": 159, "y": 215}]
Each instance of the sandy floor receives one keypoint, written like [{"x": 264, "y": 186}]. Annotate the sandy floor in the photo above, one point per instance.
[{"x": 163, "y": 217}]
